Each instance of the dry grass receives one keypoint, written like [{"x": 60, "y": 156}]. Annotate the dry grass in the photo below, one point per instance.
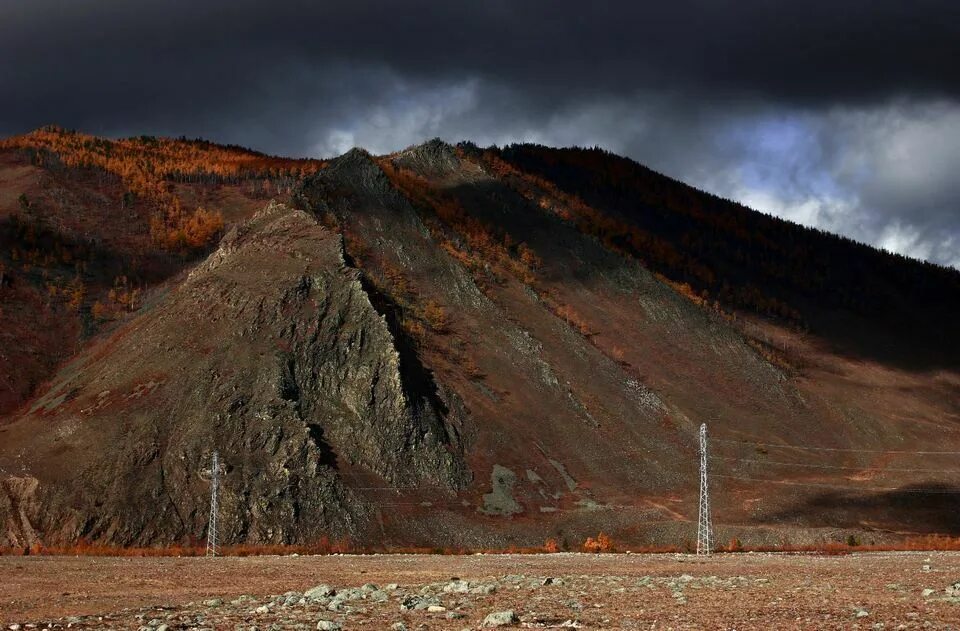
[{"x": 601, "y": 544}]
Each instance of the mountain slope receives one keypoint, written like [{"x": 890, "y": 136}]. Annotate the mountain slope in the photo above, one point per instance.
[
  {"x": 268, "y": 351},
  {"x": 463, "y": 347},
  {"x": 89, "y": 227}
]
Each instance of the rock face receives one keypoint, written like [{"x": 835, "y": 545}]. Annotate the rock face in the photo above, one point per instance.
[{"x": 271, "y": 353}]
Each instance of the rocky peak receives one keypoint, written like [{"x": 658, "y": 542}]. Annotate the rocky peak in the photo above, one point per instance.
[{"x": 434, "y": 158}]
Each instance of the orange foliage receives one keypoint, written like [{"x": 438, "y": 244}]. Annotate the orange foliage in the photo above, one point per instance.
[
  {"x": 616, "y": 234},
  {"x": 145, "y": 163},
  {"x": 148, "y": 166},
  {"x": 602, "y": 543},
  {"x": 436, "y": 317},
  {"x": 122, "y": 298},
  {"x": 175, "y": 229},
  {"x": 484, "y": 242},
  {"x": 571, "y": 317}
]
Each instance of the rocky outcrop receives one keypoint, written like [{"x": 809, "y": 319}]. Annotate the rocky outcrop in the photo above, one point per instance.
[
  {"x": 434, "y": 158},
  {"x": 271, "y": 353}
]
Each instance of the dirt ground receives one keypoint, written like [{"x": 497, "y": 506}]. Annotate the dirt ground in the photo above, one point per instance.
[{"x": 622, "y": 591}]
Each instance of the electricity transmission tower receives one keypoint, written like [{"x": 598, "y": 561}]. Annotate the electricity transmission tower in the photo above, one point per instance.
[
  {"x": 704, "y": 523},
  {"x": 213, "y": 546}
]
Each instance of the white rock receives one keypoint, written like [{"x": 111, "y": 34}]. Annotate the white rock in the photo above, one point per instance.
[{"x": 500, "y": 619}]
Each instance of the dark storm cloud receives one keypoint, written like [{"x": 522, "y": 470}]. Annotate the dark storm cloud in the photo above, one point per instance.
[{"x": 837, "y": 114}]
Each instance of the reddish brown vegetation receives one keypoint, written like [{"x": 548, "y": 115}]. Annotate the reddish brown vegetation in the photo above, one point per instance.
[
  {"x": 621, "y": 236},
  {"x": 148, "y": 168},
  {"x": 727, "y": 254},
  {"x": 476, "y": 242},
  {"x": 602, "y": 543}
]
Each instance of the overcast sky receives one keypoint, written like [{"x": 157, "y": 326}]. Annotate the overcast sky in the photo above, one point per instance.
[{"x": 841, "y": 114}]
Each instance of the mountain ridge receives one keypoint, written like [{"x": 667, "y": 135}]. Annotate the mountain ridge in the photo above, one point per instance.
[{"x": 553, "y": 341}]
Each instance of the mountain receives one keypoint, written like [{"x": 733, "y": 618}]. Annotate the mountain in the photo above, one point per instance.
[{"x": 451, "y": 346}]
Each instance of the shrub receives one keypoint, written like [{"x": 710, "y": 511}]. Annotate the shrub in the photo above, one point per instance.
[
  {"x": 437, "y": 317},
  {"x": 602, "y": 543}
]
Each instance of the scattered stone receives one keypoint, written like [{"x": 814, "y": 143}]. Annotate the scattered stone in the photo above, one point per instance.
[
  {"x": 862, "y": 613},
  {"x": 213, "y": 602},
  {"x": 328, "y": 625},
  {"x": 457, "y": 587},
  {"x": 455, "y": 615},
  {"x": 484, "y": 590},
  {"x": 547, "y": 581},
  {"x": 262, "y": 609},
  {"x": 318, "y": 592},
  {"x": 927, "y": 593},
  {"x": 500, "y": 619},
  {"x": 416, "y": 603},
  {"x": 391, "y": 587},
  {"x": 398, "y": 626},
  {"x": 436, "y": 608},
  {"x": 350, "y": 594}
]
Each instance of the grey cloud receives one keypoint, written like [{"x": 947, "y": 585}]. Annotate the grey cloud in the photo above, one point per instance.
[{"x": 839, "y": 115}]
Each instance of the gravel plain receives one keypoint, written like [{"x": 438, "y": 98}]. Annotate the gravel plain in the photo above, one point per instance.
[{"x": 884, "y": 590}]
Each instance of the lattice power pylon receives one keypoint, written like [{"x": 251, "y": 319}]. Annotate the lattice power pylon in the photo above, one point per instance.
[
  {"x": 213, "y": 545},
  {"x": 704, "y": 523}
]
